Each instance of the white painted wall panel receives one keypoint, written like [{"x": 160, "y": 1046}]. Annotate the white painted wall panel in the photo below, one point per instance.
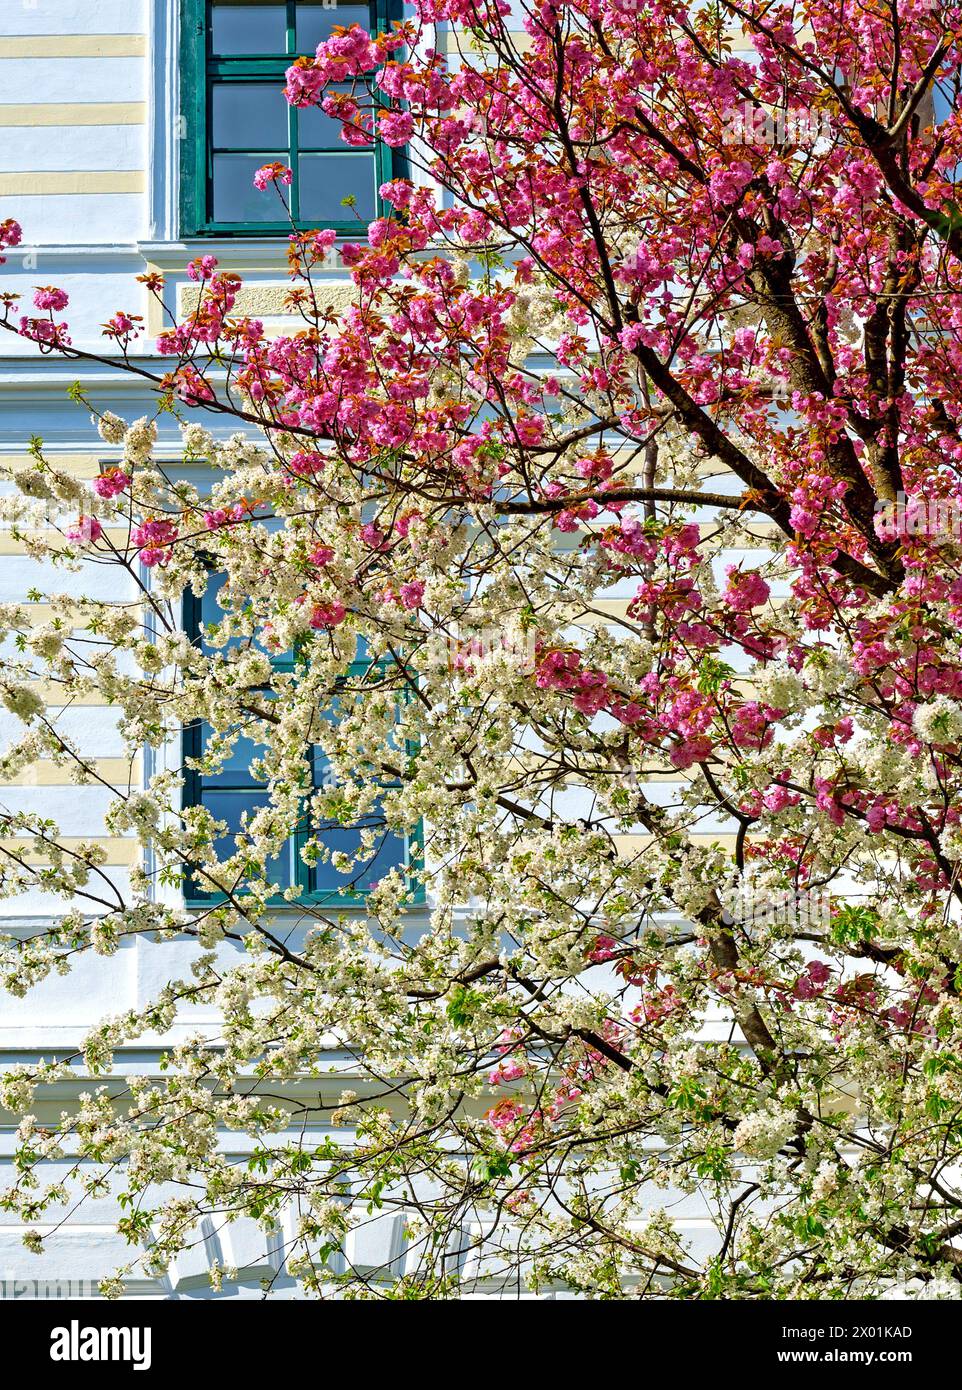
[
  {"x": 73, "y": 16},
  {"x": 71, "y": 79},
  {"x": 36, "y": 904},
  {"x": 74, "y": 1255},
  {"x": 57, "y": 147},
  {"x": 93, "y": 730},
  {"x": 19, "y": 575},
  {"x": 73, "y": 219},
  {"x": 77, "y": 810},
  {"x": 97, "y": 987}
]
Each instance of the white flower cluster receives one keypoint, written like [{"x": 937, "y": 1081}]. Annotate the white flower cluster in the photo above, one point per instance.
[
  {"x": 938, "y": 720},
  {"x": 763, "y": 1133}
]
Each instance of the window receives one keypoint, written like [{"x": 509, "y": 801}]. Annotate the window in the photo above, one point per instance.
[
  {"x": 234, "y": 56},
  {"x": 233, "y": 792}
]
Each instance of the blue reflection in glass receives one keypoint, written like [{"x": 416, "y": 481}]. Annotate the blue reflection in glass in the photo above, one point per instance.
[{"x": 233, "y": 807}]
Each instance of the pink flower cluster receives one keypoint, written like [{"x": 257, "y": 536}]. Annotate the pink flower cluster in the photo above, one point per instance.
[
  {"x": 11, "y": 234},
  {"x": 325, "y": 616},
  {"x": 225, "y": 516},
  {"x": 154, "y": 539},
  {"x": 50, "y": 297},
  {"x": 273, "y": 173},
  {"x": 746, "y": 589},
  {"x": 111, "y": 482},
  {"x": 86, "y": 530},
  {"x": 562, "y": 670}
]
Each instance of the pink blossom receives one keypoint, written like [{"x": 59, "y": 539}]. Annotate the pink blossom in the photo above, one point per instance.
[
  {"x": 327, "y": 615},
  {"x": 201, "y": 267},
  {"x": 86, "y": 529},
  {"x": 746, "y": 589},
  {"x": 111, "y": 482},
  {"x": 11, "y": 234},
  {"x": 412, "y": 593},
  {"x": 690, "y": 751},
  {"x": 50, "y": 297},
  {"x": 275, "y": 172},
  {"x": 397, "y": 193},
  {"x": 153, "y": 538}
]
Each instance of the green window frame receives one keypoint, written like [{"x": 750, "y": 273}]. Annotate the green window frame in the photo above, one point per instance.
[
  {"x": 304, "y": 876},
  {"x": 206, "y": 76}
]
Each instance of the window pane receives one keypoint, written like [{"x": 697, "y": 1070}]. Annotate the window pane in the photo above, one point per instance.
[
  {"x": 327, "y": 178},
  {"x": 235, "y": 769},
  {"x": 235, "y": 197},
  {"x": 230, "y": 807},
  {"x": 315, "y": 22},
  {"x": 248, "y": 28},
  {"x": 388, "y": 853},
  {"x": 212, "y": 614},
  {"x": 249, "y": 115},
  {"x": 210, "y": 609},
  {"x": 316, "y": 130}
]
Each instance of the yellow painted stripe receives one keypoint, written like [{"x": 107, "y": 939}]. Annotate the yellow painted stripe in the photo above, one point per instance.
[
  {"x": 637, "y": 844},
  {"x": 54, "y": 697},
  {"x": 616, "y": 609},
  {"x": 73, "y": 113},
  {"x": 73, "y": 46},
  {"x": 117, "y": 771},
  {"x": 77, "y": 465},
  {"x": 118, "y": 851},
  {"x": 27, "y": 185},
  {"x": 9, "y": 545},
  {"x": 154, "y": 319},
  {"x": 35, "y": 614}
]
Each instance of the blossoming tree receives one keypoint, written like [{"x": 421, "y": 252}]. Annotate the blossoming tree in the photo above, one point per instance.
[{"x": 690, "y": 869}]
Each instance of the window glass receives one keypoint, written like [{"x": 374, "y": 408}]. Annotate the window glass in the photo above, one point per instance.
[
  {"x": 316, "y": 130},
  {"x": 238, "y": 28},
  {"x": 239, "y": 120},
  {"x": 235, "y": 769},
  {"x": 248, "y": 116},
  {"x": 235, "y": 197},
  {"x": 326, "y": 179},
  {"x": 316, "y": 22},
  {"x": 943, "y": 98},
  {"x": 388, "y": 853},
  {"x": 233, "y": 791},
  {"x": 234, "y": 807}
]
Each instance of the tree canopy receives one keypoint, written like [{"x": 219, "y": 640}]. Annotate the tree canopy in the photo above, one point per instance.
[{"x": 608, "y": 550}]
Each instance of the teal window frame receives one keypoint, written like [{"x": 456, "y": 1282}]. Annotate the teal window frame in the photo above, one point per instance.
[
  {"x": 304, "y": 874},
  {"x": 199, "y": 69}
]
